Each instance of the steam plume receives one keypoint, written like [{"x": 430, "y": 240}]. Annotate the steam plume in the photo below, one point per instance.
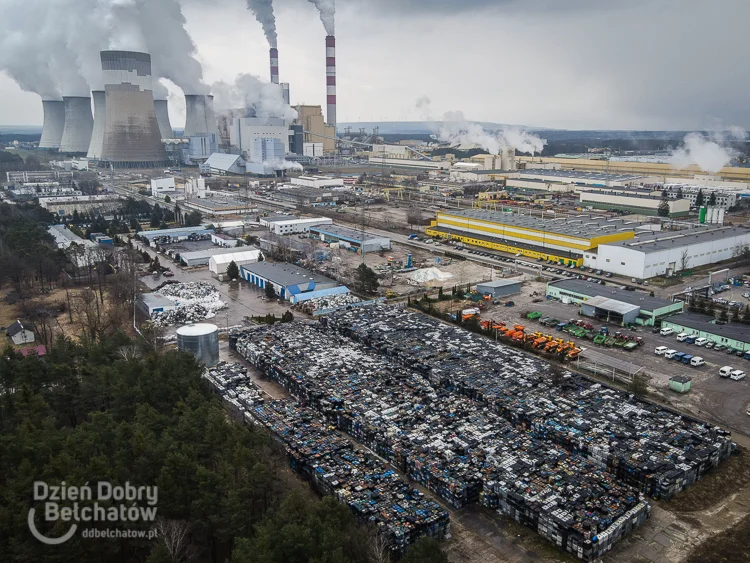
[
  {"x": 263, "y": 12},
  {"x": 262, "y": 99},
  {"x": 456, "y": 130},
  {"x": 327, "y": 9},
  {"x": 709, "y": 153}
]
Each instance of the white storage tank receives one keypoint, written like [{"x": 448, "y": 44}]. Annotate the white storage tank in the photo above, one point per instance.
[{"x": 201, "y": 340}]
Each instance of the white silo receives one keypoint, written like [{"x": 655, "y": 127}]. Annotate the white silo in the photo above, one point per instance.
[
  {"x": 100, "y": 118},
  {"x": 131, "y": 136},
  {"x": 54, "y": 124},
  {"x": 79, "y": 125},
  {"x": 161, "y": 108},
  {"x": 201, "y": 340}
]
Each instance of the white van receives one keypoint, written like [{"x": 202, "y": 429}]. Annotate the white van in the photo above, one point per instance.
[
  {"x": 669, "y": 354},
  {"x": 666, "y": 331},
  {"x": 682, "y": 336},
  {"x": 700, "y": 341},
  {"x": 696, "y": 361},
  {"x": 726, "y": 371},
  {"x": 737, "y": 375},
  {"x": 659, "y": 351}
]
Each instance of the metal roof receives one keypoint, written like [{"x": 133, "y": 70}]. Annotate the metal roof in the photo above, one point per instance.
[
  {"x": 584, "y": 227},
  {"x": 346, "y": 232},
  {"x": 285, "y": 274},
  {"x": 643, "y": 300},
  {"x": 704, "y": 323},
  {"x": 655, "y": 242},
  {"x": 181, "y": 231},
  {"x": 221, "y": 161},
  {"x": 208, "y": 253},
  {"x": 499, "y": 283},
  {"x": 156, "y": 300},
  {"x": 579, "y": 175},
  {"x": 607, "y": 304},
  {"x": 237, "y": 256}
]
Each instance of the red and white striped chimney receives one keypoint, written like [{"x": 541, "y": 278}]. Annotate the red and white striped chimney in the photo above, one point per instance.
[
  {"x": 274, "y": 65},
  {"x": 331, "y": 79}
]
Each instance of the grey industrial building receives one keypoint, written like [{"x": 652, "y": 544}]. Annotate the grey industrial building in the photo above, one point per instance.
[
  {"x": 611, "y": 303},
  {"x": 499, "y": 288},
  {"x": 202, "y": 257},
  {"x": 286, "y": 279},
  {"x": 357, "y": 239},
  {"x": 150, "y": 303},
  {"x": 731, "y": 335}
]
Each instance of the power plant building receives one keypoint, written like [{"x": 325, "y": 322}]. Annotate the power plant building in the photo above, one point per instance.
[
  {"x": 244, "y": 132},
  {"x": 79, "y": 125},
  {"x": 131, "y": 135},
  {"x": 54, "y": 124},
  {"x": 560, "y": 240},
  {"x": 315, "y": 129}
]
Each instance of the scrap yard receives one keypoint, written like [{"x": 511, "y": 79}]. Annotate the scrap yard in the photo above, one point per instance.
[{"x": 471, "y": 421}]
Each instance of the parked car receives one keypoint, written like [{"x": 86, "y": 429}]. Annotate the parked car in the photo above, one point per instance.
[
  {"x": 660, "y": 350},
  {"x": 737, "y": 375},
  {"x": 608, "y": 275},
  {"x": 667, "y": 331},
  {"x": 697, "y": 361},
  {"x": 670, "y": 354},
  {"x": 726, "y": 371},
  {"x": 719, "y": 347},
  {"x": 682, "y": 337},
  {"x": 710, "y": 344},
  {"x": 701, "y": 341}
]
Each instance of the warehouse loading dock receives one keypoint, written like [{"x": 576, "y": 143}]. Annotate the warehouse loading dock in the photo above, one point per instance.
[{"x": 610, "y": 310}]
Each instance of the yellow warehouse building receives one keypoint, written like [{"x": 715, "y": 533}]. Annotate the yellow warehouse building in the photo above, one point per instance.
[{"x": 560, "y": 240}]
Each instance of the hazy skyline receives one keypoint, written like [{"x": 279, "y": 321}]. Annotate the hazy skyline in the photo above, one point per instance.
[{"x": 644, "y": 64}]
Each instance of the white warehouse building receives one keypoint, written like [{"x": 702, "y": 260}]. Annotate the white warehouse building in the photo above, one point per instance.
[
  {"x": 665, "y": 253},
  {"x": 318, "y": 182},
  {"x": 293, "y": 225},
  {"x": 244, "y": 131},
  {"x": 162, "y": 186},
  {"x": 219, "y": 263}
]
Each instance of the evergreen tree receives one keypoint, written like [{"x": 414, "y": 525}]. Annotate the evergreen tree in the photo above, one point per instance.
[
  {"x": 270, "y": 291},
  {"x": 663, "y": 209},
  {"x": 712, "y": 199},
  {"x": 233, "y": 271},
  {"x": 366, "y": 279},
  {"x": 699, "y": 199}
]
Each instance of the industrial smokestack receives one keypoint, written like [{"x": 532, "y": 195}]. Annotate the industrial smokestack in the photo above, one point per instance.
[
  {"x": 274, "y": 65},
  {"x": 285, "y": 92},
  {"x": 79, "y": 124},
  {"x": 331, "y": 79},
  {"x": 131, "y": 136},
  {"x": 162, "y": 118},
  {"x": 54, "y": 123},
  {"x": 100, "y": 118},
  {"x": 200, "y": 118}
]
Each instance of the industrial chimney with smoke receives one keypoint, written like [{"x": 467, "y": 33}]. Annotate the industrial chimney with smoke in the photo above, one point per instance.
[
  {"x": 100, "y": 118},
  {"x": 274, "y": 65},
  {"x": 54, "y": 123},
  {"x": 131, "y": 135},
  {"x": 200, "y": 118},
  {"x": 331, "y": 79},
  {"x": 162, "y": 118},
  {"x": 79, "y": 124}
]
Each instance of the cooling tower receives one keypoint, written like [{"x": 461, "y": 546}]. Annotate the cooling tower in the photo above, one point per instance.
[
  {"x": 131, "y": 134},
  {"x": 200, "y": 118},
  {"x": 100, "y": 118},
  {"x": 79, "y": 124},
  {"x": 274, "y": 65},
  {"x": 331, "y": 79},
  {"x": 54, "y": 123},
  {"x": 162, "y": 118}
]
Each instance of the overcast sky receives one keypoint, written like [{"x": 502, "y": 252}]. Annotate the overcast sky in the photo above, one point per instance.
[{"x": 576, "y": 64}]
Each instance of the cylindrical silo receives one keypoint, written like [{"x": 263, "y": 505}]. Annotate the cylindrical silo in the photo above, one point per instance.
[
  {"x": 201, "y": 340},
  {"x": 131, "y": 137},
  {"x": 79, "y": 124},
  {"x": 54, "y": 123},
  {"x": 199, "y": 116},
  {"x": 508, "y": 158},
  {"x": 100, "y": 117}
]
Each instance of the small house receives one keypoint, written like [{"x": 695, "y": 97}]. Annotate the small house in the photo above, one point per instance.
[
  {"x": 680, "y": 383},
  {"x": 21, "y": 333}
]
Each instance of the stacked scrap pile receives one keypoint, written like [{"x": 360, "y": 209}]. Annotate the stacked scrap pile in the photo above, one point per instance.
[
  {"x": 653, "y": 449},
  {"x": 322, "y": 303},
  {"x": 450, "y": 443},
  {"x": 195, "y": 301},
  {"x": 372, "y": 491}
]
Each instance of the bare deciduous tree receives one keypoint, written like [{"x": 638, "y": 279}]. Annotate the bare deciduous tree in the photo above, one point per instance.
[
  {"x": 685, "y": 259},
  {"x": 174, "y": 535}
]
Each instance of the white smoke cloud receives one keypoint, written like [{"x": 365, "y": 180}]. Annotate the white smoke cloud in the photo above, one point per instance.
[
  {"x": 327, "y": 9},
  {"x": 249, "y": 92},
  {"x": 709, "y": 153},
  {"x": 263, "y": 12},
  {"x": 457, "y": 130},
  {"x": 282, "y": 164}
]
